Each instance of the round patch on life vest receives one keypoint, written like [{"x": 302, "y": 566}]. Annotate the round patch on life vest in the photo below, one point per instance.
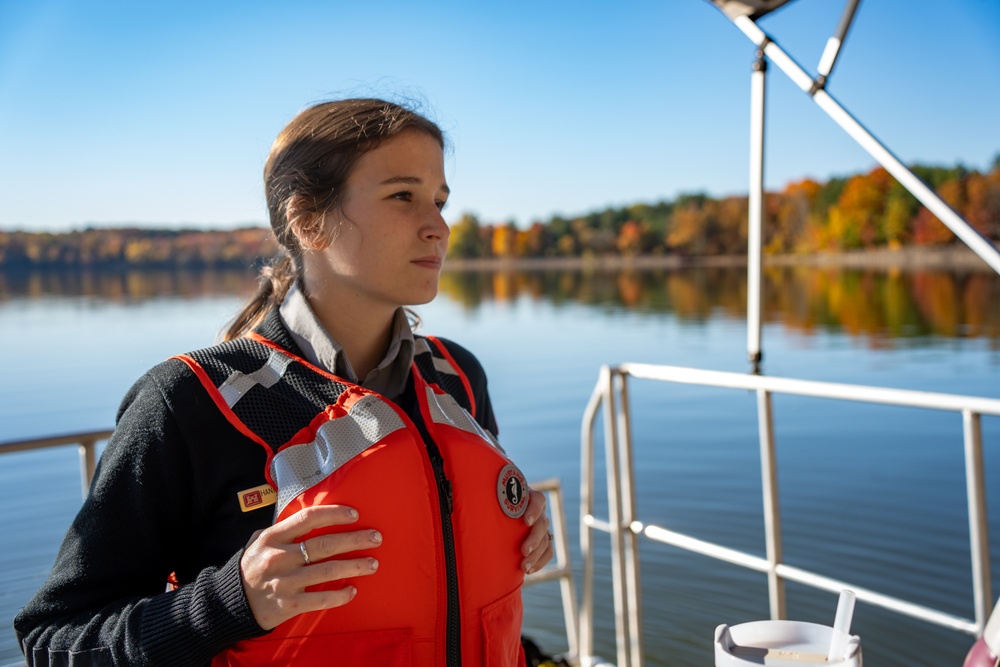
[{"x": 512, "y": 491}]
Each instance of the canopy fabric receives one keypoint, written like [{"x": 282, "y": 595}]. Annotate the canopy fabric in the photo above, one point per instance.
[{"x": 752, "y": 8}]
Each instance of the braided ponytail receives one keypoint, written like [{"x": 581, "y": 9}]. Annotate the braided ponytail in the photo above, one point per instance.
[{"x": 272, "y": 285}]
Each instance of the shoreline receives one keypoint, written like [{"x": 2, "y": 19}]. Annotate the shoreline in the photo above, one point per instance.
[{"x": 950, "y": 258}]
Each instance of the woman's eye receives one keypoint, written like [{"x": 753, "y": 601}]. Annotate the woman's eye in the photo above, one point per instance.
[
  {"x": 442, "y": 205},
  {"x": 405, "y": 195}
]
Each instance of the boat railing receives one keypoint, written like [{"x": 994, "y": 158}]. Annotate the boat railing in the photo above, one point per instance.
[
  {"x": 86, "y": 443},
  {"x": 625, "y": 526}
]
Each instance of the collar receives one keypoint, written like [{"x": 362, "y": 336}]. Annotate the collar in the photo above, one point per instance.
[{"x": 319, "y": 347}]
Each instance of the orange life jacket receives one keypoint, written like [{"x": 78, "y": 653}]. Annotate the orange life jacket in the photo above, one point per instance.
[{"x": 448, "y": 587}]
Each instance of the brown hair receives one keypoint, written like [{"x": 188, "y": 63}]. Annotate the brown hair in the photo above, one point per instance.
[{"x": 304, "y": 176}]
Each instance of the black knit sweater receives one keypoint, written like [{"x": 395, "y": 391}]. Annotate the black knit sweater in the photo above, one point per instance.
[{"x": 165, "y": 500}]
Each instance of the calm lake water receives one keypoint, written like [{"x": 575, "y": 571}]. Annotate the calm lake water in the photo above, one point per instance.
[{"x": 871, "y": 495}]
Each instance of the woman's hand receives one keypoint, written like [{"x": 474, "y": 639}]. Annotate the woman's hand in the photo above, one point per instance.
[
  {"x": 537, "y": 547},
  {"x": 276, "y": 570}
]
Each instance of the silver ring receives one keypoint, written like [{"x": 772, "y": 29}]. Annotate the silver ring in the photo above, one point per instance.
[{"x": 305, "y": 554}]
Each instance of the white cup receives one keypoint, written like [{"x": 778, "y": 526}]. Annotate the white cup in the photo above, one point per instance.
[{"x": 784, "y": 644}]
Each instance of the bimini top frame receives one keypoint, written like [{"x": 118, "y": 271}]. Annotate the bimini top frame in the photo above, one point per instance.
[{"x": 743, "y": 14}]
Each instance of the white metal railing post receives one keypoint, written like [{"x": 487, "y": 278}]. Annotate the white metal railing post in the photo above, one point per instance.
[
  {"x": 755, "y": 214},
  {"x": 631, "y": 540},
  {"x": 560, "y": 568},
  {"x": 613, "y": 472},
  {"x": 566, "y": 589},
  {"x": 979, "y": 543},
  {"x": 88, "y": 463},
  {"x": 772, "y": 511},
  {"x": 586, "y": 645}
]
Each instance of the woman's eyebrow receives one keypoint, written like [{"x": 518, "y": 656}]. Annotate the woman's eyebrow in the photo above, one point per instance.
[{"x": 411, "y": 180}]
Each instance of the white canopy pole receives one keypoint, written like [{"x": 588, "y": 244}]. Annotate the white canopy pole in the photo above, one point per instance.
[
  {"x": 833, "y": 44},
  {"x": 758, "y": 81}
]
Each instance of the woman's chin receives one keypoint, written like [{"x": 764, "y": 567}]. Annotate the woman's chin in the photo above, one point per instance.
[{"x": 420, "y": 301}]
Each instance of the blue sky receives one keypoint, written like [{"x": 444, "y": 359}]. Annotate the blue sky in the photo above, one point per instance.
[{"x": 162, "y": 114}]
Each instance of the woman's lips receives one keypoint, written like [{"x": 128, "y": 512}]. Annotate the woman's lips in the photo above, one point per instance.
[{"x": 429, "y": 262}]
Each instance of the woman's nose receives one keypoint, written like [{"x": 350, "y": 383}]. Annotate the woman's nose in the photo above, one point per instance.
[{"x": 436, "y": 228}]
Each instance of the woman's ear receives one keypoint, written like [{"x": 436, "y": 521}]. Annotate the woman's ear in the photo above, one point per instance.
[{"x": 307, "y": 224}]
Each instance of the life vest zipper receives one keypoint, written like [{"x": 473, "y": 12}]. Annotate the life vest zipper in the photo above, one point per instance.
[{"x": 453, "y": 634}]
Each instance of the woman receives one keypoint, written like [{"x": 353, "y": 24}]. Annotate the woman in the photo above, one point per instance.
[{"x": 323, "y": 484}]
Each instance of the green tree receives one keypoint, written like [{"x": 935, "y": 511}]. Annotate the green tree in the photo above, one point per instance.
[{"x": 466, "y": 239}]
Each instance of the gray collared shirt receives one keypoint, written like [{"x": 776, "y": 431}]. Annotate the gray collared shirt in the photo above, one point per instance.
[{"x": 319, "y": 347}]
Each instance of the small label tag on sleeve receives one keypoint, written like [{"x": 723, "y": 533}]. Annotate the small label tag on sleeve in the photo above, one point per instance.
[{"x": 257, "y": 497}]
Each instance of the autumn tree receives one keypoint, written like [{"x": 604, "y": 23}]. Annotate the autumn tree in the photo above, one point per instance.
[
  {"x": 897, "y": 216},
  {"x": 562, "y": 240},
  {"x": 537, "y": 241},
  {"x": 504, "y": 242},
  {"x": 789, "y": 228},
  {"x": 730, "y": 237},
  {"x": 856, "y": 219},
  {"x": 629, "y": 241},
  {"x": 688, "y": 224},
  {"x": 927, "y": 228},
  {"x": 593, "y": 238},
  {"x": 466, "y": 239},
  {"x": 983, "y": 210}
]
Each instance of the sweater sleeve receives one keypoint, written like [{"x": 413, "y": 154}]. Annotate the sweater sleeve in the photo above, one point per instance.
[{"x": 105, "y": 601}]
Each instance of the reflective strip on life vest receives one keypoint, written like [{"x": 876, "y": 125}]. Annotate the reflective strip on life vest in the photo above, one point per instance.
[
  {"x": 238, "y": 384},
  {"x": 420, "y": 346},
  {"x": 298, "y": 467},
  {"x": 441, "y": 365},
  {"x": 445, "y": 410},
  {"x": 444, "y": 366}
]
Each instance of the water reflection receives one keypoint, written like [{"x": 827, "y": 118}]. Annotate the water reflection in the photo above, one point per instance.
[
  {"x": 886, "y": 305},
  {"x": 131, "y": 286},
  {"x": 879, "y": 305}
]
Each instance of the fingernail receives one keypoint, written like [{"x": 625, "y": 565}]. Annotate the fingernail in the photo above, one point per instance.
[
  {"x": 354, "y": 513},
  {"x": 528, "y": 568},
  {"x": 354, "y": 591},
  {"x": 375, "y": 537},
  {"x": 530, "y": 520},
  {"x": 373, "y": 564}
]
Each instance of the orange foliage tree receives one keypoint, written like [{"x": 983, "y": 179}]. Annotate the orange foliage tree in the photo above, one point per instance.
[{"x": 856, "y": 219}]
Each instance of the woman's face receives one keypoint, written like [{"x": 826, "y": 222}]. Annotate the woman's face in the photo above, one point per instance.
[{"x": 387, "y": 239}]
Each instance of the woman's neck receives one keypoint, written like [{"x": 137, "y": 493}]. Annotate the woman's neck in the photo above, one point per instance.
[
  {"x": 364, "y": 345},
  {"x": 362, "y": 329}
]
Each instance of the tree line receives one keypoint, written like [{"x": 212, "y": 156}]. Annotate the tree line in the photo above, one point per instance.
[
  {"x": 136, "y": 247},
  {"x": 870, "y": 210}
]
